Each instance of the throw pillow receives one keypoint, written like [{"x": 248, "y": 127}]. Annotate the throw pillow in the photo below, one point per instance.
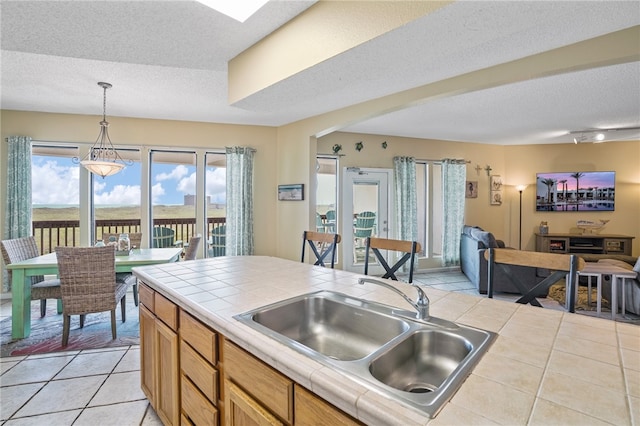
[{"x": 486, "y": 238}]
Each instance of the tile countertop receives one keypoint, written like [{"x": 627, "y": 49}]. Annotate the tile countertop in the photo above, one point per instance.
[{"x": 545, "y": 367}]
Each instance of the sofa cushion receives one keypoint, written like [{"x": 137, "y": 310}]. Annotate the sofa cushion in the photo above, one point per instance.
[
  {"x": 486, "y": 238},
  {"x": 636, "y": 267},
  {"x": 616, "y": 262}
]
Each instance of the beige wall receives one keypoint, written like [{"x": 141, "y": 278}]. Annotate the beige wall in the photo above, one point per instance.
[
  {"x": 161, "y": 133},
  {"x": 287, "y": 155},
  {"x": 516, "y": 165}
]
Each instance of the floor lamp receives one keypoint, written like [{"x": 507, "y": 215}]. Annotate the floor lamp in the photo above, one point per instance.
[{"x": 520, "y": 188}]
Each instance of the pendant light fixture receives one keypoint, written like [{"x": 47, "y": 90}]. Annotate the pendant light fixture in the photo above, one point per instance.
[{"x": 103, "y": 159}]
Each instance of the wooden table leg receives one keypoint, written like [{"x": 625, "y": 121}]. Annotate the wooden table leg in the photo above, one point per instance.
[{"x": 20, "y": 305}]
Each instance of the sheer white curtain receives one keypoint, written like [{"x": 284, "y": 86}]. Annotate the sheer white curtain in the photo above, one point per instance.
[
  {"x": 239, "y": 238},
  {"x": 18, "y": 204},
  {"x": 454, "y": 174},
  {"x": 406, "y": 204}
]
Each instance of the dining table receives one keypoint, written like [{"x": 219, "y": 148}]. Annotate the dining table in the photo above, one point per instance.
[{"x": 47, "y": 264}]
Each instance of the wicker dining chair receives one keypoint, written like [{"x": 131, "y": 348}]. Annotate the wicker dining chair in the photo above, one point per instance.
[
  {"x": 192, "y": 249},
  {"x": 19, "y": 249},
  {"x": 88, "y": 285},
  {"x": 135, "y": 238}
]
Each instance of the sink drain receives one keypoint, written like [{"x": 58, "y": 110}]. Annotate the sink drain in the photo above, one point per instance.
[{"x": 420, "y": 388}]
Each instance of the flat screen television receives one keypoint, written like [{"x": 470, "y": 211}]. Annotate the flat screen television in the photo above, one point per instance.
[{"x": 575, "y": 191}]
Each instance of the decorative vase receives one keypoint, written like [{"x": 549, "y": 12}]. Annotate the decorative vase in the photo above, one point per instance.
[{"x": 124, "y": 243}]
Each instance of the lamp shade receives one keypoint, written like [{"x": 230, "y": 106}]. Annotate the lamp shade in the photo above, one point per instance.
[{"x": 102, "y": 168}]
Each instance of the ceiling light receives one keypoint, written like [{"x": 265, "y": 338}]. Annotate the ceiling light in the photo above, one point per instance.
[
  {"x": 605, "y": 135},
  {"x": 240, "y": 10},
  {"x": 103, "y": 159}
]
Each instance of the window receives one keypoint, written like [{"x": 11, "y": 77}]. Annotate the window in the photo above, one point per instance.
[
  {"x": 116, "y": 199},
  {"x": 216, "y": 205},
  {"x": 429, "y": 189},
  {"x": 327, "y": 193},
  {"x": 55, "y": 204},
  {"x": 173, "y": 195}
]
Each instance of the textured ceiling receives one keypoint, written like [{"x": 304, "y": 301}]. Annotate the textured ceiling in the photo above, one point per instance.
[{"x": 168, "y": 60}]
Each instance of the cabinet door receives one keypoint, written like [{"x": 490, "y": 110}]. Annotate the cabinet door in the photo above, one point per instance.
[
  {"x": 312, "y": 410},
  {"x": 241, "y": 409},
  {"x": 167, "y": 375},
  {"x": 147, "y": 354}
]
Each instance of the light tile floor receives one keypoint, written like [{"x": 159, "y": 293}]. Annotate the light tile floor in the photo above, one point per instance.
[
  {"x": 90, "y": 387},
  {"x": 102, "y": 387}
]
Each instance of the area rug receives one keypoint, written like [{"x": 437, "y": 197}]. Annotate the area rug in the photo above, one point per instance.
[
  {"x": 558, "y": 292},
  {"x": 46, "y": 332}
]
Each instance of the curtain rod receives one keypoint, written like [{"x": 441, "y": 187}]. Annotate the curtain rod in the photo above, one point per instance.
[{"x": 442, "y": 159}]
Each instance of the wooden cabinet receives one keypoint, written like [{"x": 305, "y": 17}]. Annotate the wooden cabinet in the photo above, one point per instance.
[
  {"x": 199, "y": 373},
  {"x": 243, "y": 410},
  {"x": 310, "y": 410},
  {"x": 266, "y": 386},
  {"x": 192, "y": 375},
  {"x": 159, "y": 357},
  {"x": 584, "y": 244}
]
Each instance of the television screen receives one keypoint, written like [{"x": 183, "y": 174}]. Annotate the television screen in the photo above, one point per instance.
[{"x": 575, "y": 191}]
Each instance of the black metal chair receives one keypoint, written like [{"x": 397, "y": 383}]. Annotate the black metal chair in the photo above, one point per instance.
[
  {"x": 322, "y": 245},
  {"x": 409, "y": 248},
  {"x": 562, "y": 265}
]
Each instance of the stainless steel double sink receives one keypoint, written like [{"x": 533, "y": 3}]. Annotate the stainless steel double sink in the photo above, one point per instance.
[{"x": 421, "y": 362}]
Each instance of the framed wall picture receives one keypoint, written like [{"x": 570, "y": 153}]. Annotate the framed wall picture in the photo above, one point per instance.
[
  {"x": 496, "y": 190},
  {"x": 293, "y": 192},
  {"x": 471, "y": 189}
]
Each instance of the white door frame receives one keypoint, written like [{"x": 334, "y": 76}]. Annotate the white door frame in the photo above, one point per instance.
[{"x": 351, "y": 176}]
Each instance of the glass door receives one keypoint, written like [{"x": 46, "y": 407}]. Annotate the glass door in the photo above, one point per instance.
[{"x": 364, "y": 213}]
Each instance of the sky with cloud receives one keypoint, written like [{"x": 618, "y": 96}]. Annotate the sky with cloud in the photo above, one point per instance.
[{"x": 55, "y": 181}]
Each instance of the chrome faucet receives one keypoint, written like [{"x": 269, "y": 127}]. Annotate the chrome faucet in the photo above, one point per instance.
[{"x": 421, "y": 305}]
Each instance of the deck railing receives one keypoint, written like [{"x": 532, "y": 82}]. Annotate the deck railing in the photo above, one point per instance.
[{"x": 52, "y": 233}]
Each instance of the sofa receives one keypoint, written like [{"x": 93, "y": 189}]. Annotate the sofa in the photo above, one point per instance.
[{"x": 473, "y": 243}]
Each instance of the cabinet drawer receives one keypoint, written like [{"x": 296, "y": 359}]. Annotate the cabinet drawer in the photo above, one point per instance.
[
  {"x": 259, "y": 380},
  {"x": 195, "y": 406},
  {"x": 146, "y": 296},
  {"x": 199, "y": 336},
  {"x": 166, "y": 310},
  {"x": 201, "y": 373}
]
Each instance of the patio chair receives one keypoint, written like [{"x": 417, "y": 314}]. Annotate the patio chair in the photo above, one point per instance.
[
  {"x": 192, "y": 249},
  {"x": 126, "y": 277},
  {"x": 19, "y": 249},
  {"x": 409, "y": 248},
  {"x": 330, "y": 223},
  {"x": 88, "y": 285},
  {"x": 319, "y": 223},
  {"x": 163, "y": 237},
  {"x": 363, "y": 227},
  {"x": 325, "y": 242},
  {"x": 218, "y": 241}
]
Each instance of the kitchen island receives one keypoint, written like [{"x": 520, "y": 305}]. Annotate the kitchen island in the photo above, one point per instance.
[{"x": 545, "y": 367}]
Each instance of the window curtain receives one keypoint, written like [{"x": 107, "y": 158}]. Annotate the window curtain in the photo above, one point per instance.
[
  {"x": 239, "y": 239},
  {"x": 454, "y": 174},
  {"x": 18, "y": 205},
  {"x": 406, "y": 204}
]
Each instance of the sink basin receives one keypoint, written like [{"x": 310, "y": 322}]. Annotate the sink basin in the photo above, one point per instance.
[
  {"x": 339, "y": 329},
  {"x": 419, "y": 362}
]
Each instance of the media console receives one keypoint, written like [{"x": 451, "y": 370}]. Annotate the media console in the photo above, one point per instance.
[{"x": 589, "y": 243}]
